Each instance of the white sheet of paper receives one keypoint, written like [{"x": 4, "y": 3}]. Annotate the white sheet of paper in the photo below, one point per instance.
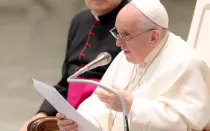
[{"x": 62, "y": 106}]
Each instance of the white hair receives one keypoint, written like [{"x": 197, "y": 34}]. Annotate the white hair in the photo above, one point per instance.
[
  {"x": 144, "y": 23},
  {"x": 147, "y": 24}
]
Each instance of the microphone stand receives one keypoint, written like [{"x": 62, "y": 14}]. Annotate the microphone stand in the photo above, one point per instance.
[
  {"x": 81, "y": 71},
  {"x": 125, "y": 120}
]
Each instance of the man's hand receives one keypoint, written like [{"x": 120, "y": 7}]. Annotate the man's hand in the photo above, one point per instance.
[
  {"x": 66, "y": 124},
  {"x": 37, "y": 116},
  {"x": 112, "y": 102}
]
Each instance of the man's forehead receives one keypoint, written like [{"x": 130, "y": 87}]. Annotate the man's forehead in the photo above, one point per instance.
[
  {"x": 127, "y": 20},
  {"x": 129, "y": 13},
  {"x": 129, "y": 8}
]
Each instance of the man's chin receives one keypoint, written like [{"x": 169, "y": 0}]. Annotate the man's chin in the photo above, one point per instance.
[
  {"x": 129, "y": 59},
  {"x": 100, "y": 5},
  {"x": 99, "y": 2},
  {"x": 99, "y": 10}
]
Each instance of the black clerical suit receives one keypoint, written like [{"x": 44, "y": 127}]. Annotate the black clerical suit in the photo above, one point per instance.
[{"x": 86, "y": 39}]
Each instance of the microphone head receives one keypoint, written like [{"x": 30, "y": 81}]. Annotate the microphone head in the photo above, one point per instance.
[
  {"x": 101, "y": 60},
  {"x": 106, "y": 56}
]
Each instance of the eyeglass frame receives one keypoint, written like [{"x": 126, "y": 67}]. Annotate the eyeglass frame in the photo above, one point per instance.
[{"x": 124, "y": 38}]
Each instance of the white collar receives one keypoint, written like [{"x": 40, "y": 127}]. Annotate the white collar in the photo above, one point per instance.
[{"x": 95, "y": 16}]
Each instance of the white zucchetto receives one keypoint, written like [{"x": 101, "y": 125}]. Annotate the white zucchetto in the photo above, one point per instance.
[{"x": 154, "y": 10}]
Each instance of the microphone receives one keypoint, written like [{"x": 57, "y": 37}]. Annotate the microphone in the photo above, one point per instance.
[{"x": 101, "y": 60}]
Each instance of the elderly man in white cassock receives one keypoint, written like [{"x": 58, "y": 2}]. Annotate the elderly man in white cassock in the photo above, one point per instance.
[{"x": 162, "y": 80}]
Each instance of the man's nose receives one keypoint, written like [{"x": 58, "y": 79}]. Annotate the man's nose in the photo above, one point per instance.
[{"x": 119, "y": 43}]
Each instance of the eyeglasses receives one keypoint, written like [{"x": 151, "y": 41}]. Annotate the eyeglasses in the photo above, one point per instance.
[{"x": 117, "y": 35}]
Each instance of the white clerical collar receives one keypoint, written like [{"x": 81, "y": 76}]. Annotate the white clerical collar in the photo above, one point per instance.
[
  {"x": 95, "y": 16},
  {"x": 147, "y": 61}
]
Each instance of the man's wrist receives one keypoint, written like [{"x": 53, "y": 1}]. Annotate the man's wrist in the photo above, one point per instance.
[{"x": 129, "y": 103}]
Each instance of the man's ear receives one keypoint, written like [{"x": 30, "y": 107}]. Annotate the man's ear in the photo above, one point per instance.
[{"x": 155, "y": 38}]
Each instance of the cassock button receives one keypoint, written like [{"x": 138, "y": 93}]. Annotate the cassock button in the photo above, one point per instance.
[
  {"x": 87, "y": 44},
  {"x": 81, "y": 55},
  {"x": 96, "y": 22},
  {"x": 91, "y": 33}
]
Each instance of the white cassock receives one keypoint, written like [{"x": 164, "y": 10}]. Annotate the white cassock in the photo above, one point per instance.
[{"x": 171, "y": 90}]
